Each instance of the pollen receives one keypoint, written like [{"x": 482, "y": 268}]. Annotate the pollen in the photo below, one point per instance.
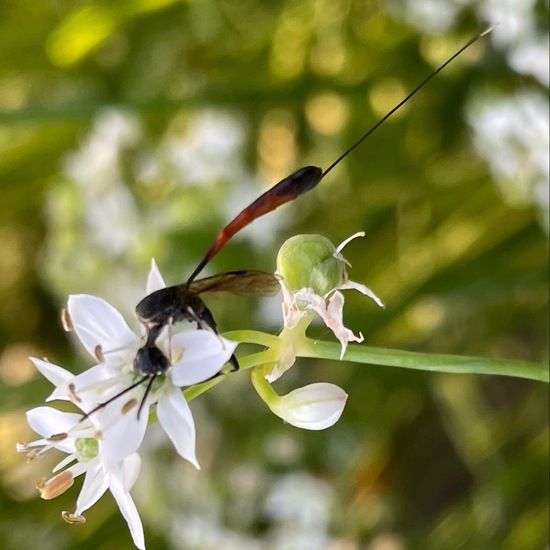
[
  {"x": 55, "y": 486},
  {"x": 73, "y": 519}
]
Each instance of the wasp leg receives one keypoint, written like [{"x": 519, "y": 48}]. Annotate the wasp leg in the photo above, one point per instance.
[{"x": 234, "y": 363}]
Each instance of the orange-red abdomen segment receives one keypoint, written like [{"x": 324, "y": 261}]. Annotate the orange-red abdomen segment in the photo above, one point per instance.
[{"x": 286, "y": 190}]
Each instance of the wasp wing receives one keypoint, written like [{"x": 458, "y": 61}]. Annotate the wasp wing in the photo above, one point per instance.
[{"x": 256, "y": 283}]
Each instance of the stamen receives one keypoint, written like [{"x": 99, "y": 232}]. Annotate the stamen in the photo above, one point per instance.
[
  {"x": 55, "y": 486},
  {"x": 64, "y": 463},
  {"x": 66, "y": 320},
  {"x": 73, "y": 519},
  {"x": 21, "y": 447},
  {"x": 98, "y": 352},
  {"x": 71, "y": 390},
  {"x": 32, "y": 454},
  {"x": 128, "y": 406},
  {"x": 58, "y": 437}
]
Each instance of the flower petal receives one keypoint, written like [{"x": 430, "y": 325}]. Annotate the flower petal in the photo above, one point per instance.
[
  {"x": 56, "y": 375},
  {"x": 334, "y": 319},
  {"x": 122, "y": 431},
  {"x": 47, "y": 421},
  {"x": 155, "y": 280},
  {"x": 131, "y": 467},
  {"x": 128, "y": 510},
  {"x": 175, "y": 417},
  {"x": 313, "y": 407},
  {"x": 292, "y": 314},
  {"x": 98, "y": 324},
  {"x": 97, "y": 385},
  {"x": 94, "y": 486},
  {"x": 83, "y": 389},
  {"x": 203, "y": 354}
]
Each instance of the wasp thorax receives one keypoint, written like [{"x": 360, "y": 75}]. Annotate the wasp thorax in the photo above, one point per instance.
[{"x": 158, "y": 306}]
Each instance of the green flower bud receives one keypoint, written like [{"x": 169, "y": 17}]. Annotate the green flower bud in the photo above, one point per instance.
[
  {"x": 86, "y": 448},
  {"x": 307, "y": 261}
]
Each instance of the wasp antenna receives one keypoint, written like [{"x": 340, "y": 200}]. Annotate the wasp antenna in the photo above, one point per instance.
[
  {"x": 145, "y": 395},
  {"x": 300, "y": 181},
  {"x": 113, "y": 398},
  {"x": 409, "y": 96}
]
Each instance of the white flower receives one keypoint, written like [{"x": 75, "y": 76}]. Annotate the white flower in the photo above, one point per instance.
[
  {"x": 102, "y": 443},
  {"x": 312, "y": 273},
  {"x": 195, "y": 355},
  {"x": 79, "y": 439}
]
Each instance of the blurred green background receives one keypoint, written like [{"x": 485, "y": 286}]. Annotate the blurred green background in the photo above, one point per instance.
[{"x": 136, "y": 129}]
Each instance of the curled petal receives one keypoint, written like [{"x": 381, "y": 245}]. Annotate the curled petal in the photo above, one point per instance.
[
  {"x": 313, "y": 407},
  {"x": 292, "y": 313},
  {"x": 363, "y": 290},
  {"x": 334, "y": 319},
  {"x": 331, "y": 313},
  {"x": 175, "y": 417}
]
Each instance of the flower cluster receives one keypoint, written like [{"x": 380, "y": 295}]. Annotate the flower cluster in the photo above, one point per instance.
[
  {"x": 312, "y": 273},
  {"x": 114, "y": 400},
  {"x": 102, "y": 442}
]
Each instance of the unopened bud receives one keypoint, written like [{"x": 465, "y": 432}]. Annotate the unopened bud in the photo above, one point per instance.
[{"x": 314, "y": 407}]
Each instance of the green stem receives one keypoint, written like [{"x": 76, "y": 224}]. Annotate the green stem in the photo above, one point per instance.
[
  {"x": 245, "y": 363},
  {"x": 263, "y": 387},
  {"x": 457, "y": 364},
  {"x": 358, "y": 353},
  {"x": 252, "y": 337}
]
